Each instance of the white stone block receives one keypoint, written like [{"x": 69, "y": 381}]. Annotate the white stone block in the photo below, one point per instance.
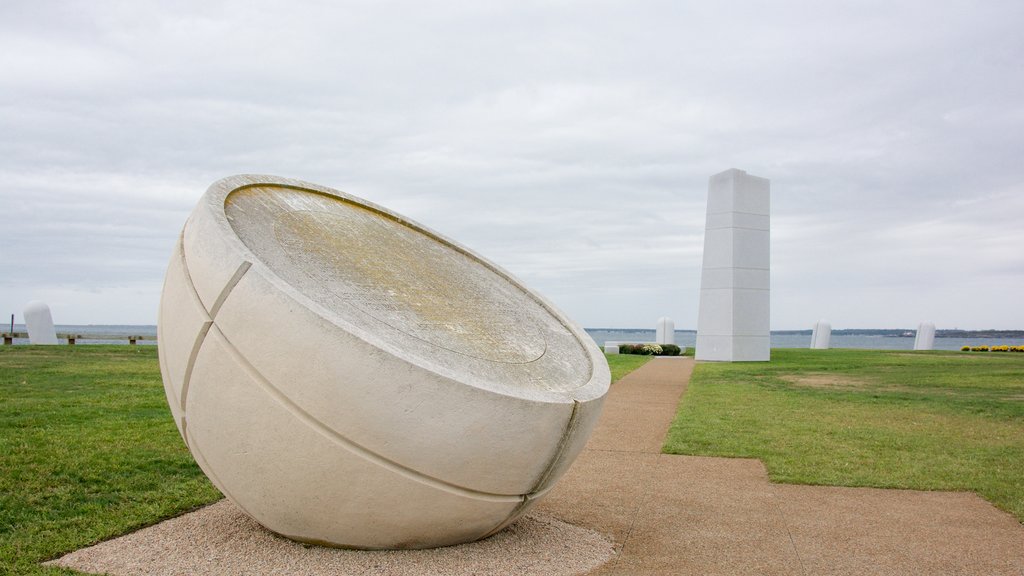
[
  {"x": 746, "y": 194},
  {"x": 752, "y": 348},
  {"x": 733, "y": 323},
  {"x": 750, "y": 312},
  {"x": 821, "y": 336},
  {"x": 350, "y": 378},
  {"x": 39, "y": 323},
  {"x": 750, "y": 249},
  {"x": 728, "y": 348},
  {"x": 925, "y": 338},
  {"x": 713, "y": 278},
  {"x": 611, "y": 348},
  {"x": 737, "y": 220},
  {"x": 665, "y": 332}
]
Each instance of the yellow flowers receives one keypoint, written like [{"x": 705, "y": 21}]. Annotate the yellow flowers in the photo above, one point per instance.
[{"x": 1002, "y": 348}]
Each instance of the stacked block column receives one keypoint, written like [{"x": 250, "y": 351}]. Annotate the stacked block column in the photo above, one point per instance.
[{"x": 733, "y": 321}]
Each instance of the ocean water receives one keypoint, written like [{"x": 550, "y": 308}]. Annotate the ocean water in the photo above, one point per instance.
[
  {"x": 689, "y": 338},
  {"x": 147, "y": 331},
  {"x": 683, "y": 338}
]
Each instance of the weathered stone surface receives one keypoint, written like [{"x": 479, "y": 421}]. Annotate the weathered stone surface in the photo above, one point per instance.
[
  {"x": 733, "y": 320},
  {"x": 925, "y": 337},
  {"x": 351, "y": 378},
  {"x": 665, "y": 333},
  {"x": 821, "y": 336},
  {"x": 39, "y": 323}
]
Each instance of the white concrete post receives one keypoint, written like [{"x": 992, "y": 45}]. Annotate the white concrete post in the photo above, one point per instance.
[
  {"x": 821, "y": 336},
  {"x": 925, "y": 339},
  {"x": 733, "y": 322},
  {"x": 665, "y": 333},
  {"x": 39, "y": 323}
]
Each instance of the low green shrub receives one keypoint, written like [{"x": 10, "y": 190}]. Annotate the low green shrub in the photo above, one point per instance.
[{"x": 671, "y": 350}]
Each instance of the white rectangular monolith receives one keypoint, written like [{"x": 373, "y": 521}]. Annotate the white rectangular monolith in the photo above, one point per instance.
[
  {"x": 733, "y": 321},
  {"x": 925, "y": 338},
  {"x": 821, "y": 336},
  {"x": 665, "y": 333},
  {"x": 39, "y": 323}
]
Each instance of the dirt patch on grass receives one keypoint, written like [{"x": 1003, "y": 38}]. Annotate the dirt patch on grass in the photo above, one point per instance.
[
  {"x": 844, "y": 382},
  {"x": 950, "y": 354},
  {"x": 827, "y": 381}
]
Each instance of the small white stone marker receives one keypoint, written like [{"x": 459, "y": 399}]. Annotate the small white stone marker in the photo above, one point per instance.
[
  {"x": 821, "y": 336},
  {"x": 39, "y": 323},
  {"x": 611, "y": 348},
  {"x": 666, "y": 331},
  {"x": 350, "y": 378},
  {"x": 925, "y": 338},
  {"x": 733, "y": 322}
]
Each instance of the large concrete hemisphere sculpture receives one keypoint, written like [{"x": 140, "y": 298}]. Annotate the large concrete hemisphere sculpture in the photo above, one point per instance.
[{"x": 348, "y": 377}]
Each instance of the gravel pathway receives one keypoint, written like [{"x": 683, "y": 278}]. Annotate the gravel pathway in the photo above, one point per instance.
[{"x": 220, "y": 539}]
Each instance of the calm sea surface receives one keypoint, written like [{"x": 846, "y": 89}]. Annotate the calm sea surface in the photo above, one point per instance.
[
  {"x": 688, "y": 338},
  {"x": 97, "y": 330},
  {"x": 683, "y": 338}
]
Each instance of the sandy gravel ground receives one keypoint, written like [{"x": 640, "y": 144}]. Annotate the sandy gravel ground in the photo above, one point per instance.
[{"x": 220, "y": 539}]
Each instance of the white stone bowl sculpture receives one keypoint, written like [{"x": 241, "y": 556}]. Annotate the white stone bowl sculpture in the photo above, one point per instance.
[{"x": 349, "y": 378}]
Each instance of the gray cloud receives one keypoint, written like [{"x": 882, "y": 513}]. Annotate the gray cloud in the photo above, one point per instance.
[{"x": 570, "y": 142}]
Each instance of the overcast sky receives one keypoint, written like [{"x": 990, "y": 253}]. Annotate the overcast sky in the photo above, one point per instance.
[{"x": 569, "y": 142}]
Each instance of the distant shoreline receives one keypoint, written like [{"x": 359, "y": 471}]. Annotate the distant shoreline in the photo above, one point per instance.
[
  {"x": 885, "y": 332},
  {"x": 905, "y": 333},
  {"x": 144, "y": 329}
]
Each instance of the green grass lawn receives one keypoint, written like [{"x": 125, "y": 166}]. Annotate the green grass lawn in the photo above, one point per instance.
[
  {"x": 895, "y": 419},
  {"x": 88, "y": 451},
  {"x": 622, "y": 364}
]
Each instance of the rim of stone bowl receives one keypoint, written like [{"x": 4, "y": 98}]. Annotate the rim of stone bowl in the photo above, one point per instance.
[{"x": 216, "y": 197}]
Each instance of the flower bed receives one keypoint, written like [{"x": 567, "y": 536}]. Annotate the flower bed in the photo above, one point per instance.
[
  {"x": 1002, "y": 348},
  {"x": 651, "y": 349}
]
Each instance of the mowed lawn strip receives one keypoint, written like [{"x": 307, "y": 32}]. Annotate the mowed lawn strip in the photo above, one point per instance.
[
  {"x": 892, "y": 419},
  {"x": 622, "y": 364},
  {"x": 88, "y": 451}
]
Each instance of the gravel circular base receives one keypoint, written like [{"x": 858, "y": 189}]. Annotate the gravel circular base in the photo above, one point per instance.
[{"x": 220, "y": 539}]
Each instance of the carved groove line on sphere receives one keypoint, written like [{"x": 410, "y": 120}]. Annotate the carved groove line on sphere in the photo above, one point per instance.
[{"x": 210, "y": 325}]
